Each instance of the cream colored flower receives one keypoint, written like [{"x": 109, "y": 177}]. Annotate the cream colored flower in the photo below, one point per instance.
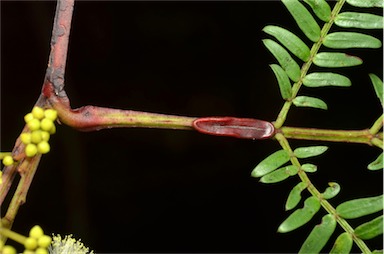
[{"x": 68, "y": 245}]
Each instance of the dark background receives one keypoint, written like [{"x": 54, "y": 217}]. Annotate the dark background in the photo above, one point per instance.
[{"x": 143, "y": 190}]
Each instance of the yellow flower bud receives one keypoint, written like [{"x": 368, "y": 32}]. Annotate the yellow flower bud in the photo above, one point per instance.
[
  {"x": 46, "y": 124},
  {"x": 8, "y": 249},
  {"x": 25, "y": 138},
  {"x": 38, "y": 113},
  {"x": 44, "y": 241},
  {"x": 30, "y": 243},
  {"x": 28, "y": 117},
  {"x": 33, "y": 124},
  {"x": 50, "y": 114},
  {"x": 30, "y": 150},
  {"x": 52, "y": 130},
  {"x": 36, "y": 232},
  {"x": 41, "y": 251},
  {"x": 8, "y": 160},
  {"x": 43, "y": 147},
  {"x": 45, "y": 136},
  {"x": 36, "y": 136}
]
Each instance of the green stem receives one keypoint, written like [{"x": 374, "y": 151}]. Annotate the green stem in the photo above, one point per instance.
[
  {"x": 7, "y": 233},
  {"x": 316, "y": 193},
  {"x": 304, "y": 69},
  {"x": 376, "y": 127},
  {"x": 350, "y": 136}
]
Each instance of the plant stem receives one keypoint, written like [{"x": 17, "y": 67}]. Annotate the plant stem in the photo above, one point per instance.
[
  {"x": 351, "y": 136},
  {"x": 7, "y": 233},
  {"x": 377, "y": 125},
  {"x": 316, "y": 193},
  {"x": 304, "y": 69}
]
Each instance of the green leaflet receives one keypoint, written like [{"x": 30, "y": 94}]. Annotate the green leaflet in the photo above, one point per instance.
[
  {"x": 301, "y": 216},
  {"x": 284, "y": 58},
  {"x": 319, "y": 235},
  {"x": 279, "y": 174},
  {"x": 305, "y": 101},
  {"x": 272, "y": 162},
  {"x": 334, "y": 60},
  {"x": 359, "y": 20},
  {"x": 309, "y": 151},
  {"x": 331, "y": 191},
  {"x": 321, "y": 8},
  {"x": 370, "y": 229},
  {"x": 366, "y": 3},
  {"x": 377, "y": 85},
  {"x": 290, "y": 41},
  {"x": 343, "y": 40},
  {"x": 360, "y": 207},
  {"x": 377, "y": 252},
  {"x": 376, "y": 164},
  {"x": 303, "y": 19},
  {"x": 310, "y": 168},
  {"x": 343, "y": 244},
  {"x": 294, "y": 196},
  {"x": 283, "y": 81},
  {"x": 318, "y": 79}
]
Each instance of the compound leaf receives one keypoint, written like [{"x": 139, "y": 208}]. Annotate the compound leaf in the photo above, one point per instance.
[
  {"x": 334, "y": 60},
  {"x": 303, "y": 19},
  {"x": 294, "y": 196},
  {"x": 290, "y": 41},
  {"x": 343, "y": 40},
  {"x": 309, "y": 151},
  {"x": 319, "y": 235},
  {"x": 310, "y": 168},
  {"x": 343, "y": 244},
  {"x": 279, "y": 174},
  {"x": 306, "y": 101},
  {"x": 284, "y": 58},
  {"x": 359, "y": 20},
  {"x": 370, "y": 229},
  {"x": 366, "y": 3},
  {"x": 318, "y": 79},
  {"x": 321, "y": 8},
  {"x": 360, "y": 207},
  {"x": 376, "y": 164},
  {"x": 377, "y": 85},
  {"x": 272, "y": 162},
  {"x": 331, "y": 191},
  {"x": 301, "y": 216},
  {"x": 283, "y": 81}
]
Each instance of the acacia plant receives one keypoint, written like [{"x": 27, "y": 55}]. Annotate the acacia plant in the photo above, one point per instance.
[{"x": 327, "y": 26}]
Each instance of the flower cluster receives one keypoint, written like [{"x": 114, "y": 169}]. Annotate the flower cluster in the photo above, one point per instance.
[
  {"x": 35, "y": 243},
  {"x": 68, "y": 245},
  {"x": 41, "y": 125}
]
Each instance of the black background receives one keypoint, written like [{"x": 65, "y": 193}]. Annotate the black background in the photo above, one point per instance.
[{"x": 143, "y": 190}]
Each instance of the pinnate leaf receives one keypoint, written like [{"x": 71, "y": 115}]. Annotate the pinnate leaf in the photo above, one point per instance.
[
  {"x": 331, "y": 191},
  {"x": 366, "y": 3},
  {"x": 321, "y": 8},
  {"x": 370, "y": 229},
  {"x": 359, "y": 20},
  {"x": 284, "y": 58},
  {"x": 376, "y": 164},
  {"x": 318, "y": 79},
  {"x": 294, "y": 196},
  {"x": 283, "y": 81},
  {"x": 272, "y": 162},
  {"x": 310, "y": 168},
  {"x": 309, "y": 151},
  {"x": 343, "y": 244},
  {"x": 377, "y": 85},
  {"x": 290, "y": 41},
  {"x": 303, "y": 19},
  {"x": 343, "y": 40},
  {"x": 319, "y": 235},
  {"x": 280, "y": 174},
  {"x": 311, "y": 102},
  {"x": 359, "y": 207},
  {"x": 301, "y": 216},
  {"x": 335, "y": 60}
]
